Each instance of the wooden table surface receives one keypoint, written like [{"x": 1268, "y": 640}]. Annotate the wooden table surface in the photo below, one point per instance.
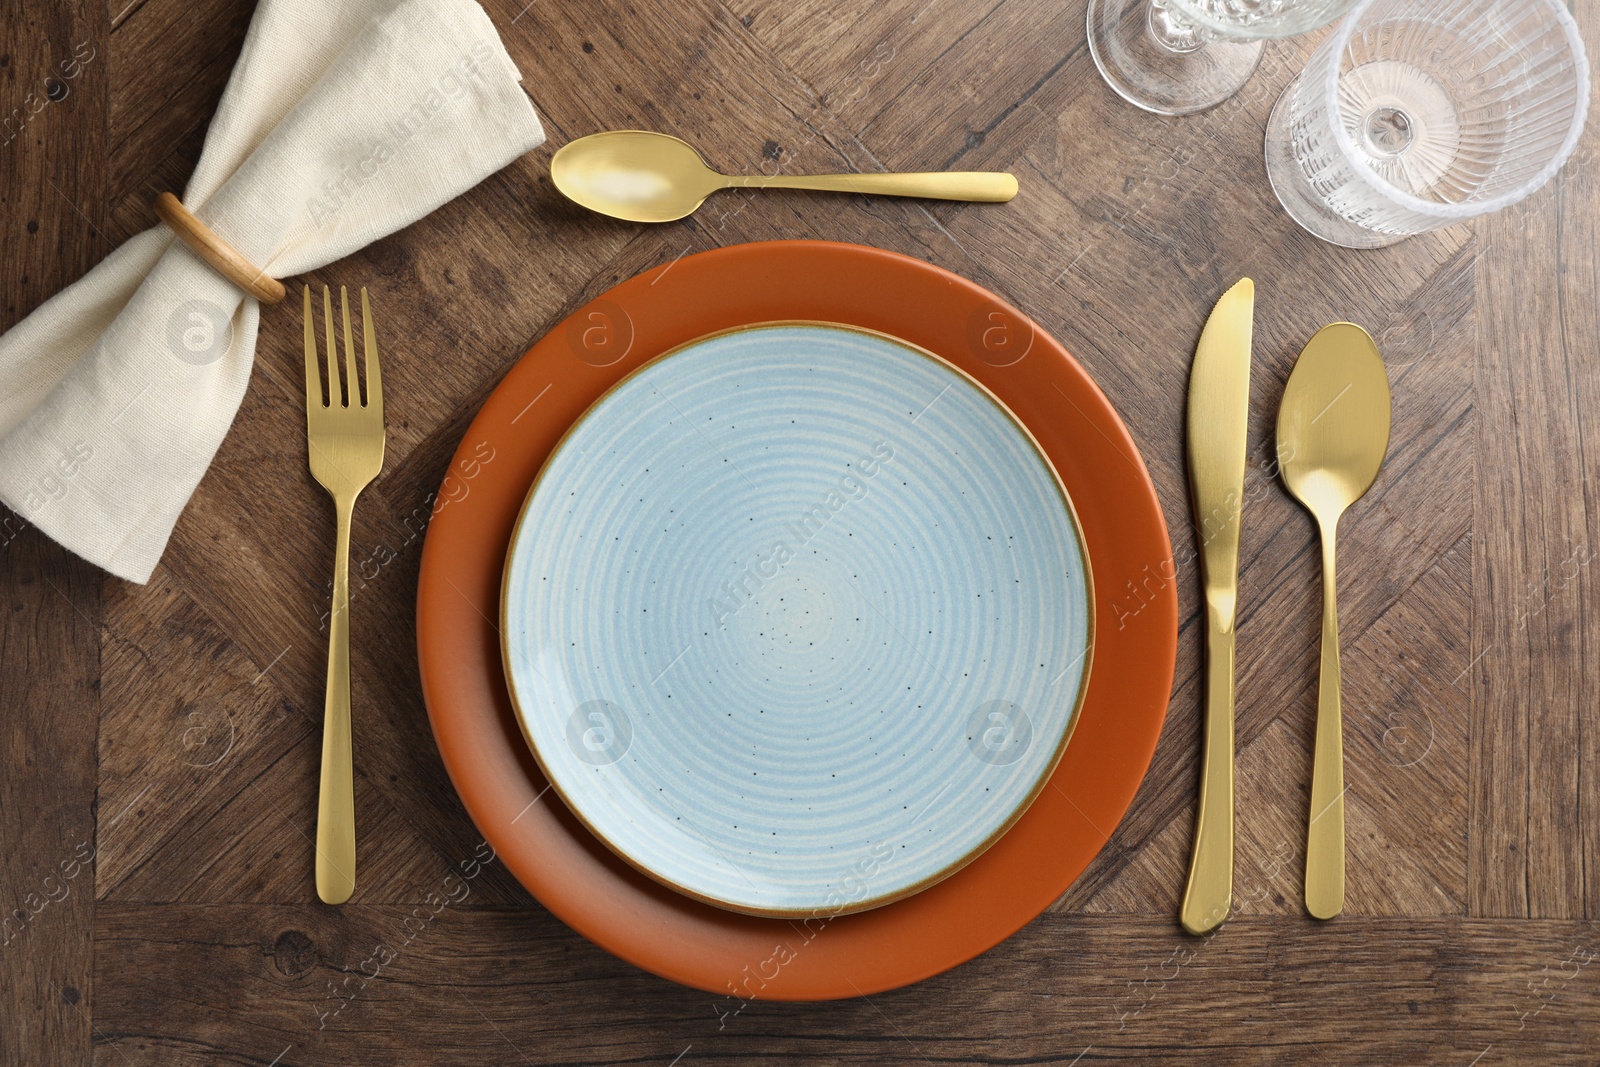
[{"x": 160, "y": 743}]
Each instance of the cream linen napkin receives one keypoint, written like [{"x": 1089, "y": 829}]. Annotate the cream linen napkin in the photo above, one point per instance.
[{"x": 341, "y": 123}]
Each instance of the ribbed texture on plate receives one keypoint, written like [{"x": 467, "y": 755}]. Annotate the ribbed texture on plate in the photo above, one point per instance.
[{"x": 797, "y": 618}]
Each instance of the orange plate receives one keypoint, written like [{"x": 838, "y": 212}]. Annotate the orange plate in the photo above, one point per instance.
[{"x": 582, "y": 881}]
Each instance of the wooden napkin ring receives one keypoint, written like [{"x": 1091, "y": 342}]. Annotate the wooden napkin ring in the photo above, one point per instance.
[{"x": 217, "y": 252}]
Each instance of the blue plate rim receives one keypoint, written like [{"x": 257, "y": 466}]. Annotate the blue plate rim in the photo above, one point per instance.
[{"x": 1046, "y": 772}]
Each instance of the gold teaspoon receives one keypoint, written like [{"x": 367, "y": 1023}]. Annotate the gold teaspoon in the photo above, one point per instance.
[
  {"x": 1333, "y": 432},
  {"x": 652, "y": 177}
]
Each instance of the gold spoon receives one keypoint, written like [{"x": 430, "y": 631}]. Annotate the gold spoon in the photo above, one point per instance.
[
  {"x": 651, "y": 177},
  {"x": 1333, "y": 431}
]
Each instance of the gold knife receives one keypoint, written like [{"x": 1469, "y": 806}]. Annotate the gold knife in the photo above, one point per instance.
[{"x": 1219, "y": 407}]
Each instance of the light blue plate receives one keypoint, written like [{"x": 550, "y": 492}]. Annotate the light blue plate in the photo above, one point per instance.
[{"x": 797, "y": 619}]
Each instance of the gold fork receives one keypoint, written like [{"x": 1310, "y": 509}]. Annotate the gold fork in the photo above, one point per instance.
[{"x": 345, "y": 438}]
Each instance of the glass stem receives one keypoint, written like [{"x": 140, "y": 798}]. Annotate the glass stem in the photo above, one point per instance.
[{"x": 1170, "y": 30}]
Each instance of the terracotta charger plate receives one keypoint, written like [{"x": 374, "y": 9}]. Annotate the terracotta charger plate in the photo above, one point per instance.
[{"x": 830, "y": 954}]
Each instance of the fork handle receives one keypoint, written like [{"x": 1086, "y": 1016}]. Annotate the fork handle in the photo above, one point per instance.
[{"x": 336, "y": 806}]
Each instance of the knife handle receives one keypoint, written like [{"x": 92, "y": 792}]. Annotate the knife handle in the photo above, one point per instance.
[{"x": 1209, "y": 895}]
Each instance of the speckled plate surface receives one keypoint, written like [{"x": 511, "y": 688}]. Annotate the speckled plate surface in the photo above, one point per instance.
[{"x": 796, "y": 619}]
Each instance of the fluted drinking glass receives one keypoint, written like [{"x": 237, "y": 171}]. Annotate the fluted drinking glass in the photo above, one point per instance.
[
  {"x": 1177, "y": 57},
  {"x": 1417, "y": 114}
]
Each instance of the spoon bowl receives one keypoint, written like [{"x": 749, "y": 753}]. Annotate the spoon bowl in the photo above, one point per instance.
[
  {"x": 632, "y": 175},
  {"x": 653, "y": 177},
  {"x": 1333, "y": 425},
  {"x": 1333, "y": 433}
]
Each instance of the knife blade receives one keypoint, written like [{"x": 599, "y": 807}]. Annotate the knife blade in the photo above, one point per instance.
[{"x": 1218, "y": 417}]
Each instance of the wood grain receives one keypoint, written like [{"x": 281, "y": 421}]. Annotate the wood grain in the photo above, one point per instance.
[
  {"x": 1536, "y": 769},
  {"x": 500, "y": 985},
  {"x": 172, "y": 728},
  {"x": 52, "y": 210}
]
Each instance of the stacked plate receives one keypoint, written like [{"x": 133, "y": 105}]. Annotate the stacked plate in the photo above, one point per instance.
[{"x": 797, "y": 622}]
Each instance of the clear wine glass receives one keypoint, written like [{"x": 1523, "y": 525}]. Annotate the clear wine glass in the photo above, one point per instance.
[
  {"x": 1176, "y": 57},
  {"x": 1417, "y": 114}
]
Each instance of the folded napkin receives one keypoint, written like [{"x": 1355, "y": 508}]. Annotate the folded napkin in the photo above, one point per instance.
[{"x": 343, "y": 122}]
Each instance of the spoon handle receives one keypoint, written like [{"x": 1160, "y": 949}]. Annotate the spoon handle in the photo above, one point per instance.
[
  {"x": 1325, "y": 834},
  {"x": 986, "y": 186}
]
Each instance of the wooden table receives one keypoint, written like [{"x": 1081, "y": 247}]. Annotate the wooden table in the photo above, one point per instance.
[{"x": 170, "y": 732}]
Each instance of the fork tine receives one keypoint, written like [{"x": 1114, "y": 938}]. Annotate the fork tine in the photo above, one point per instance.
[
  {"x": 335, "y": 387},
  {"x": 352, "y": 391},
  {"x": 313, "y": 372},
  {"x": 370, "y": 338}
]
